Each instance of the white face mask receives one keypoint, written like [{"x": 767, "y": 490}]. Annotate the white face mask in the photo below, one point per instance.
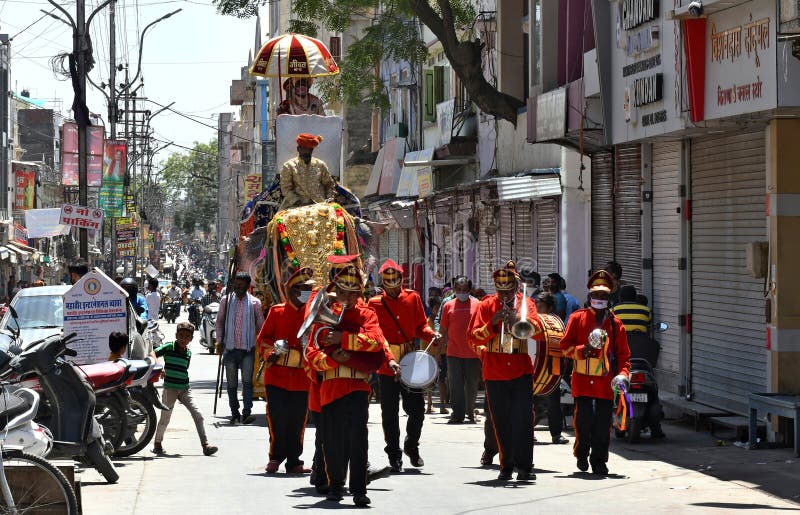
[
  {"x": 463, "y": 297},
  {"x": 304, "y": 296},
  {"x": 599, "y": 303}
]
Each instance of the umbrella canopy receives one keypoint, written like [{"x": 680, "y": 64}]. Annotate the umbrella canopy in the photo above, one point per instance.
[{"x": 294, "y": 55}]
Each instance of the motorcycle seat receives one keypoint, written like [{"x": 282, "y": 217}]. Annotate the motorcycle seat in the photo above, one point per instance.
[
  {"x": 10, "y": 407},
  {"x": 103, "y": 374}
]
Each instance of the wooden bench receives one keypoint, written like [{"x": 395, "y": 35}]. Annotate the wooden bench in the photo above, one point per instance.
[{"x": 781, "y": 404}]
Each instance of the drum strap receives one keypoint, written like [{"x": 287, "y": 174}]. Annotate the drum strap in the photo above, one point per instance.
[{"x": 391, "y": 315}]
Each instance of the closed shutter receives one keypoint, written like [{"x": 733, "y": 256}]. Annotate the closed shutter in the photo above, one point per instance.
[
  {"x": 524, "y": 253},
  {"x": 728, "y": 185},
  {"x": 546, "y": 236},
  {"x": 394, "y": 244},
  {"x": 602, "y": 209},
  {"x": 628, "y": 213},
  {"x": 488, "y": 247},
  {"x": 506, "y": 232},
  {"x": 666, "y": 180}
]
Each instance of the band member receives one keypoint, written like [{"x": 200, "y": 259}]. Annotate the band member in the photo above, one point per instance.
[
  {"x": 593, "y": 371},
  {"x": 306, "y": 179},
  {"x": 285, "y": 379},
  {"x": 402, "y": 319},
  {"x": 507, "y": 371},
  {"x": 344, "y": 392}
]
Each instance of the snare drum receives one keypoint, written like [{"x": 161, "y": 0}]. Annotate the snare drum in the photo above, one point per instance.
[
  {"x": 418, "y": 370},
  {"x": 548, "y": 362}
]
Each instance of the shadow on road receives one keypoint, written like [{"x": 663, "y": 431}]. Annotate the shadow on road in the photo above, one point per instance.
[
  {"x": 498, "y": 483},
  {"x": 739, "y": 506}
]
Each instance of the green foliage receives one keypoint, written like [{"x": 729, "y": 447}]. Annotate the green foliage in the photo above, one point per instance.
[
  {"x": 239, "y": 8},
  {"x": 189, "y": 182}
]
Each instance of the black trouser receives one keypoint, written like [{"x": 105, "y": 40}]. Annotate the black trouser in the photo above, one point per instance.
[
  {"x": 592, "y": 428},
  {"x": 489, "y": 438},
  {"x": 510, "y": 403},
  {"x": 464, "y": 375},
  {"x": 318, "y": 464},
  {"x": 413, "y": 405},
  {"x": 344, "y": 428},
  {"x": 286, "y": 419},
  {"x": 555, "y": 419}
]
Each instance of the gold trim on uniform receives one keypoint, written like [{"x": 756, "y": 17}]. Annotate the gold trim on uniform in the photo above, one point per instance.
[
  {"x": 343, "y": 371},
  {"x": 517, "y": 346}
]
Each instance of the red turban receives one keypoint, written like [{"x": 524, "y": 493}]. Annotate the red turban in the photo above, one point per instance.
[{"x": 306, "y": 140}]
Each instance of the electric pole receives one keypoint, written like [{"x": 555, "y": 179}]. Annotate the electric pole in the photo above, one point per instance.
[{"x": 5, "y": 51}]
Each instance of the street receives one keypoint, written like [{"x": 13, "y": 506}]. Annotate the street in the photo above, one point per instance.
[{"x": 685, "y": 473}]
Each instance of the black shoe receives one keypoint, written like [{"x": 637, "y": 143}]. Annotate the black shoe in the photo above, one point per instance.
[
  {"x": 583, "y": 464},
  {"x": 526, "y": 475},
  {"x": 414, "y": 457},
  {"x": 322, "y": 489},
  {"x": 361, "y": 500},
  {"x": 235, "y": 419},
  {"x": 599, "y": 469},
  {"x": 560, "y": 440},
  {"x": 505, "y": 475},
  {"x": 336, "y": 493},
  {"x": 375, "y": 474},
  {"x": 487, "y": 457},
  {"x": 247, "y": 418},
  {"x": 454, "y": 421},
  {"x": 396, "y": 465}
]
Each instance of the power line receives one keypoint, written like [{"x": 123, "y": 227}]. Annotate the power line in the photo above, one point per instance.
[
  {"x": 32, "y": 24},
  {"x": 229, "y": 133}
]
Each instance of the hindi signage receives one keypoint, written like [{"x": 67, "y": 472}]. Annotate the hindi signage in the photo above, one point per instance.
[
  {"x": 94, "y": 307},
  {"x": 80, "y": 216}
]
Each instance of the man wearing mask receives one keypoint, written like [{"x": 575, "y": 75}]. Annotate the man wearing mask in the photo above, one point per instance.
[
  {"x": 285, "y": 378},
  {"x": 597, "y": 365},
  {"x": 402, "y": 320},
  {"x": 306, "y": 179},
  {"x": 238, "y": 320},
  {"x": 463, "y": 365},
  {"x": 508, "y": 371}
]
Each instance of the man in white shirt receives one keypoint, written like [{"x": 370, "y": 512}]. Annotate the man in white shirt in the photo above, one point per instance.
[{"x": 153, "y": 299}]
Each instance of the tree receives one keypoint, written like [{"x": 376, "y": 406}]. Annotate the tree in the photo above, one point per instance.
[
  {"x": 394, "y": 36},
  {"x": 189, "y": 180}
]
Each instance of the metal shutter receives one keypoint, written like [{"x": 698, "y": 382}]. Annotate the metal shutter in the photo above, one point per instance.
[
  {"x": 602, "y": 209},
  {"x": 666, "y": 181},
  {"x": 728, "y": 185},
  {"x": 524, "y": 253},
  {"x": 506, "y": 232},
  {"x": 488, "y": 247},
  {"x": 546, "y": 236},
  {"x": 628, "y": 213},
  {"x": 394, "y": 244}
]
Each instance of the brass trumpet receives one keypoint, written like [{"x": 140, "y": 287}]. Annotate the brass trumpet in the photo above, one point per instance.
[{"x": 523, "y": 329}]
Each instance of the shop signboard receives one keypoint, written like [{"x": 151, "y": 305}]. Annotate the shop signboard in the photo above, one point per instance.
[
  {"x": 126, "y": 242},
  {"x": 81, "y": 216},
  {"x": 94, "y": 307}
]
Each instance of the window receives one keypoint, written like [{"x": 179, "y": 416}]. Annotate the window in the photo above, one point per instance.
[
  {"x": 434, "y": 90},
  {"x": 336, "y": 48}
]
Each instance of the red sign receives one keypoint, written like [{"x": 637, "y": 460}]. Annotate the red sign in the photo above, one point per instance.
[
  {"x": 94, "y": 158},
  {"x": 24, "y": 186},
  {"x": 115, "y": 160},
  {"x": 20, "y": 234},
  {"x": 80, "y": 216}
]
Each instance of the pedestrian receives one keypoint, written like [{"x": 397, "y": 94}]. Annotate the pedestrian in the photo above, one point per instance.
[
  {"x": 594, "y": 371},
  {"x": 238, "y": 321},
  {"x": 635, "y": 316},
  {"x": 177, "y": 357},
  {"x": 615, "y": 269},
  {"x": 532, "y": 281},
  {"x": 344, "y": 391},
  {"x": 507, "y": 371},
  {"x": 463, "y": 365},
  {"x": 77, "y": 268},
  {"x": 117, "y": 342},
  {"x": 552, "y": 284},
  {"x": 402, "y": 320},
  {"x": 153, "y": 299},
  {"x": 572, "y": 303},
  {"x": 545, "y": 304},
  {"x": 285, "y": 378},
  {"x": 434, "y": 304}
]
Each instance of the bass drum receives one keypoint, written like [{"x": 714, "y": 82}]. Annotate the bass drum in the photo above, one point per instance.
[
  {"x": 418, "y": 370},
  {"x": 548, "y": 361}
]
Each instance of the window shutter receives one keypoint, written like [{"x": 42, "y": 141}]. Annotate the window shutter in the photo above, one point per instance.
[
  {"x": 336, "y": 48},
  {"x": 438, "y": 85},
  {"x": 430, "y": 100}
]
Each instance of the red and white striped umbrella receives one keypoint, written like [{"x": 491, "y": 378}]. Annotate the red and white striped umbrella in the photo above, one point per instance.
[{"x": 294, "y": 55}]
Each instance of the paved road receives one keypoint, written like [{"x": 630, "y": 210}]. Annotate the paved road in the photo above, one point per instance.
[{"x": 646, "y": 477}]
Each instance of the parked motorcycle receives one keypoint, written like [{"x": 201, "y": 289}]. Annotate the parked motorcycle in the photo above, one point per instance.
[
  {"x": 69, "y": 404},
  {"x": 171, "y": 310},
  {"x": 647, "y": 410},
  {"x": 208, "y": 327},
  {"x": 110, "y": 381}
]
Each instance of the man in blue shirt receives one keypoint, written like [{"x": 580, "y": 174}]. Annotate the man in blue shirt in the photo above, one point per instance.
[
  {"x": 138, "y": 302},
  {"x": 572, "y": 302}
]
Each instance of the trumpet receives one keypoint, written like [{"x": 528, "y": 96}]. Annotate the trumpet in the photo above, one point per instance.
[{"x": 523, "y": 329}]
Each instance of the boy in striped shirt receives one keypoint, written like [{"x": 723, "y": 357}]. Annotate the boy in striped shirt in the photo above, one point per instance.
[{"x": 176, "y": 386}]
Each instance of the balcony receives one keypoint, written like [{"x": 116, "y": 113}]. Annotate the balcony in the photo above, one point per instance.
[{"x": 566, "y": 116}]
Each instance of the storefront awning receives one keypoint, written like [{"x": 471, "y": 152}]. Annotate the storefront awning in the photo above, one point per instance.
[
  {"x": 9, "y": 254},
  {"x": 539, "y": 184},
  {"x": 23, "y": 252}
]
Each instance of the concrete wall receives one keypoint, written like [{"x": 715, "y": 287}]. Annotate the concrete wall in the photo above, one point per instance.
[{"x": 575, "y": 222}]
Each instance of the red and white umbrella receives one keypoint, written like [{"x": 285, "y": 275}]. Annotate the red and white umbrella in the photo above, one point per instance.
[{"x": 294, "y": 55}]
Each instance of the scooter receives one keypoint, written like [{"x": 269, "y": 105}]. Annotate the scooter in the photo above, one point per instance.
[
  {"x": 70, "y": 401},
  {"x": 208, "y": 327},
  {"x": 647, "y": 410},
  {"x": 19, "y": 408}
]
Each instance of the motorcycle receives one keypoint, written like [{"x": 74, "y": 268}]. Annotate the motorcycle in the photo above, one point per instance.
[
  {"x": 69, "y": 404},
  {"x": 208, "y": 327},
  {"x": 171, "y": 310},
  {"x": 194, "y": 313},
  {"x": 647, "y": 410}
]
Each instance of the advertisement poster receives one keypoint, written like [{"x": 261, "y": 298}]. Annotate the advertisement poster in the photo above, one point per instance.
[
  {"x": 69, "y": 154},
  {"x": 20, "y": 234},
  {"x": 126, "y": 242},
  {"x": 94, "y": 307},
  {"x": 115, "y": 160},
  {"x": 111, "y": 199},
  {"x": 252, "y": 186},
  {"x": 24, "y": 186}
]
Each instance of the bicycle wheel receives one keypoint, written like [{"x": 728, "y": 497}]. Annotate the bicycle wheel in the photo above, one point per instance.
[
  {"x": 49, "y": 493},
  {"x": 142, "y": 421}
]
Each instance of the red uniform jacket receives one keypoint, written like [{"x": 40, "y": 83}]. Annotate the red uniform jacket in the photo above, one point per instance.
[
  {"x": 410, "y": 317},
  {"x": 360, "y": 332},
  {"x": 282, "y": 323},
  {"x": 576, "y": 337},
  {"x": 498, "y": 366}
]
